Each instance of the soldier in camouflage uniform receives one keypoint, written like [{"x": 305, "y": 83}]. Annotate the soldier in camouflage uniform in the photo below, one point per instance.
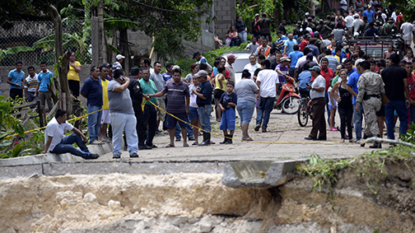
[{"x": 370, "y": 89}]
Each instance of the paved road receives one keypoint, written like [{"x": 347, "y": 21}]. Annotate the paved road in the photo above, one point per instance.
[{"x": 283, "y": 129}]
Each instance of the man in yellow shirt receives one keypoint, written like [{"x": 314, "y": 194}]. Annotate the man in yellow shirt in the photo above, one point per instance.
[
  {"x": 73, "y": 75},
  {"x": 105, "y": 120}
]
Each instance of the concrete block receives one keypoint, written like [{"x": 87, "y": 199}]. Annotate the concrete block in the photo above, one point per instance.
[
  {"x": 49, "y": 157},
  {"x": 258, "y": 173},
  {"x": 7, "y": 172}
]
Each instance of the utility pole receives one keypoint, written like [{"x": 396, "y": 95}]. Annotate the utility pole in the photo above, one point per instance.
[{"x": 102, "y": 52}]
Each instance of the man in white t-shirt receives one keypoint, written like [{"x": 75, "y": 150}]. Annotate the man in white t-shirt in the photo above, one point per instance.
[
  {"x": 349, "y": 23},
  {"x": 356, "y": 23},
  {"x": 268, "y": 84},
  {"x": 407, "y": 29},
  {"x": 56, "y": 143},
  {"x": 318, "y": 102},
  {"x": 252, "y": 66}
]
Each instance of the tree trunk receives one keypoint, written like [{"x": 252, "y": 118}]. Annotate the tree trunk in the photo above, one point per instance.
[
  {"x": 103, "y": 46},
  {"x": 62, "y": 61},
  {"x": 125, "y": 49}
]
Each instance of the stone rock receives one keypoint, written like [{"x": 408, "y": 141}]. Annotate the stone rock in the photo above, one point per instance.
[
  {"x": 114, "y": 205},
  {"x": 90, "y": 198}
]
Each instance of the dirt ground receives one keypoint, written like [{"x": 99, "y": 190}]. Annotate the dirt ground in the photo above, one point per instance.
[{"x": 283, "y": 129}]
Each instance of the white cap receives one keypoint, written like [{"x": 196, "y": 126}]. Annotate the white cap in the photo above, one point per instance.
[
  {"x": 359, "y": 61},
  {"x": 119, "y": 57}
]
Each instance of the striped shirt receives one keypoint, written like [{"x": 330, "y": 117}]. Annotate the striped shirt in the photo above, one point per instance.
[
  {"x": 176, "y": 94},
  {"x": 31, "y": 83}
]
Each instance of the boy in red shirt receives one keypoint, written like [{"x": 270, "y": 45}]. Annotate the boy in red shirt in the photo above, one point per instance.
[{"x": 411, "y": 85}]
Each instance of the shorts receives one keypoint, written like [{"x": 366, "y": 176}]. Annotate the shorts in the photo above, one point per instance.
[
  {"x": 331, "y": 108},
  {"x": 193, "y": 114},
  {"x": 105, "y": 119},
  {"x": 171, "y": 122},
  {"x": 258, "y": 101},
  {"x": 381, "y": 112},
  {"x": 228, "y": 120},
  {"x": 218, "y": 93},
  {"x": 246, "y": 110},
  {"x": 161, "y": 115},
  {"x": 74, "y": 87}
]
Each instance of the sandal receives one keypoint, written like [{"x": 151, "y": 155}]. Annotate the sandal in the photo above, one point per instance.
[
  {"x": 247, "y": 139},
  {"x": 169, "y": 145},
  {"x": 195, "y": 143}
]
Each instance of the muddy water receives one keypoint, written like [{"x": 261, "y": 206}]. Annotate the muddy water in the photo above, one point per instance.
[{"x": 185, "y": 203}]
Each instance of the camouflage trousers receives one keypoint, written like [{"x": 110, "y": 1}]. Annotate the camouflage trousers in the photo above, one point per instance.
[{"x": 370, "y": 107}]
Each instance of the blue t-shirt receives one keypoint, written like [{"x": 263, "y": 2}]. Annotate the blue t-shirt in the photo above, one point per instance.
[
  {"x": 350, "y": 72},
  {"x": 353, "y": 79},
  {"x": 369, "y": 15},
  {"x": 290, "y": 45},
  {"x": 44, "y": 80},
  {"x": 167, "y": 76},
  {"x": 206, "y": 91},
  {"x": 226, "y": 98},
  {"x": 202, "y": 60},
  {"x": 16, "y": 78},
  {"x": 304, "y": 78},
  {"x": 93, "y": 91},
  {"x": 294, "y": 57},
  {"x": 314, "y": 49}
]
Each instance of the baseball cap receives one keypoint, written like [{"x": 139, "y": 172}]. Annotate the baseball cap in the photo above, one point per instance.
[
  {"x": 231, "y": 56},
  {"x": 359, "y": 61},
  {"x": 196, "y": 54},
  {"x": 119, "y": 56},
  {"x": 307, "y": 14},
  {"x": 134, "y": 71},
  {"x": 176, "y": 67},
  {"x": 285, "y": 59},
  {"x": 315, "y": 68},
  {"x": 256, "y": 14},
  {"x": 356, "y": 15},
  {"x": 201, "y": 73}
]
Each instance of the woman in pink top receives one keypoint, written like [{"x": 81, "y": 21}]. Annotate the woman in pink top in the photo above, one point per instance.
[
  {"x": 390, "y": 51},
  {"x": 232, "y": 33},
  {"x": 409, "y": 56}
]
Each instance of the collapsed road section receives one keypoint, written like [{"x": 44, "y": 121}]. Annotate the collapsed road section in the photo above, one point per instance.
[{"x": 254, "y": 196}]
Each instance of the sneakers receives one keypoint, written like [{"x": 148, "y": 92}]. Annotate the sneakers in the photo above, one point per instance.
[
  {"x": 92, "y": 156},
  {"x": 333, "y": 129},
  {"x": 134, "y": 155},
  {"x": 116, "y": 156}
]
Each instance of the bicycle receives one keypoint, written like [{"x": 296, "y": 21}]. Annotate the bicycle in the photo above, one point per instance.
[{"x": 304, "y": 111}]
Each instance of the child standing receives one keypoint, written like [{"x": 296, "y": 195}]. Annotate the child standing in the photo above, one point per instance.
[
  {"x": 227, "y": 103},
  {"x": 332, "y": 108}
]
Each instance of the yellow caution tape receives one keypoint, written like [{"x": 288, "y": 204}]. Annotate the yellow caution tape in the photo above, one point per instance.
[
  {"x": 261, "y": 142},
  {"x": 44, "y": 127}
]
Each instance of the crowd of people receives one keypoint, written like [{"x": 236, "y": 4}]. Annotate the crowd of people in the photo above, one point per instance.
[{"x": 336, "y": 78}]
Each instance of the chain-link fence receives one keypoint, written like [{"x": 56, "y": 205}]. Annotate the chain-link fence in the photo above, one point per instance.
[{"x": 34, "y": 42}]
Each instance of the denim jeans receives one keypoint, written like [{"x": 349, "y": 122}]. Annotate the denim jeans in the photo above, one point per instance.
[
  {"x": 188, "y": 128},
  {"x": 150, "y": 119},
  {"x": 243, "y": 35},
  {"x": 400, "y": 107},
  {"x": 358, "y": 121},
  {"x": 94, "y": 122},
  {"x": 124, "y": 122},
  {"x": 204, "y": 116},
  {"x": 65, "y": 146},
  {"x": 265, "y": 106},
  {"x": 327, "y": 106},
  {"x": 245, "y": 110},
  {"x": 412, "y": 113},
  {"x": 31, "y": 97}
]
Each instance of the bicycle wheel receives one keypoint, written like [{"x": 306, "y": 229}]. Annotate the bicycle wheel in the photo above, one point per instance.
[
  {"x": 302, "y": 114},
  {"x": 291, "y": 105}
]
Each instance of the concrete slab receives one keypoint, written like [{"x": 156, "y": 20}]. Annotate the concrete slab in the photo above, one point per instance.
[
  {"x": 20, "y": 171},
  {"x": 50, "y": 157},
  {"x": 258, "y": 174}
]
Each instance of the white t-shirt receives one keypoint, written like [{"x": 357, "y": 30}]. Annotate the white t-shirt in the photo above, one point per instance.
[
  {"x": 356, "y": 24},
  {"x": 193, "y": 96},
  {"x": 251, "y": 68},
  {"x": 331, "y": 100},
  {"x": 394, "y": 16},
  {"x": 56, "y": 131},
  {"x": 345, "y": 4},
  {"x": 318, "y": 82},
  {"x": 268, "y": 79},
  {"x": 349, "y": 21},
  {"x": 407, "y": 29},
  {"x": 302, "y": 59}
]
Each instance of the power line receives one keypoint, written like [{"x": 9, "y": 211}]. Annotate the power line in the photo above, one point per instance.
[{"x": 167, "y": 10}]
